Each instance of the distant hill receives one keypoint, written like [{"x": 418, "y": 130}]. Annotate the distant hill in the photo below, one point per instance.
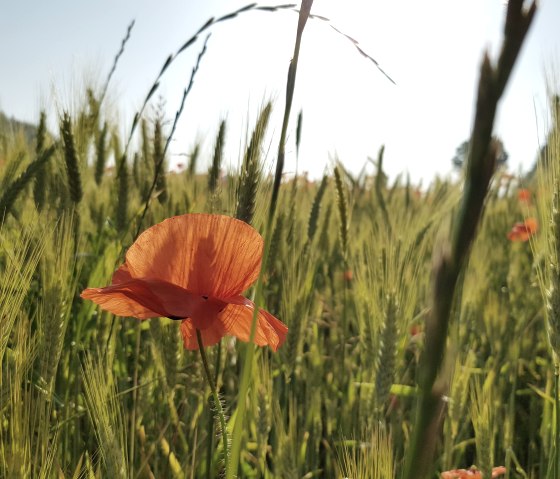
[{"x": 10, "y": 126}]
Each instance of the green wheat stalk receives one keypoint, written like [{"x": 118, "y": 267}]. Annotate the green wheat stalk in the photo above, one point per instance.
[
  {"x": 14, "y": 189},
  {"x": 250, "y": 350},
  {"x": 450, "y": 261},
  {"x": 251, "y": 169}
]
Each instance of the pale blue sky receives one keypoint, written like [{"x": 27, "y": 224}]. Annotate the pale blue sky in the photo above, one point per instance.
[{"x": 432, "y": 49}]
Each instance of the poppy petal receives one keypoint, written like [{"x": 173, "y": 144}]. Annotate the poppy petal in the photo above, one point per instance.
[
  {"x": 524, "y": 195},
  {"x": 118, "y": 303},
  {"x": 210, "y": 336},
  {"x": 531, "y": 225},
  {"x": 519, "y": 233},
  {"x": 471, "y": 473},
  {"x": 121, "y": 275},
  {"x": 498, "y": 471},
  {"x": 147, "y": 298},
  {"x": 218, "y": 256},
  {"x": 237, "y": 318}
]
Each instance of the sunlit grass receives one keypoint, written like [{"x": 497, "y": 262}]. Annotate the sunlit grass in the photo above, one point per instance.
[{"x": 349, "y": 270}]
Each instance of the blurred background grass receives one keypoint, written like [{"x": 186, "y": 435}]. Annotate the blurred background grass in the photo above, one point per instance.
[{"x": 84, "y": 394}]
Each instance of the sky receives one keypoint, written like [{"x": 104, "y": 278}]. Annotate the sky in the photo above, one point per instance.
[{"x": 51, "y": 50}]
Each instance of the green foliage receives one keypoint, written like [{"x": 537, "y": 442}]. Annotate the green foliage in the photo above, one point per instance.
[
  {"x": 338, "y": 396},
  {"x": 349, "y": 270}
]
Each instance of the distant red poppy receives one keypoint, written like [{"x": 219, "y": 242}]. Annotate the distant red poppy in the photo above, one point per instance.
[
  {"x": 348, "y": 276},
  {"x": 193, "y": 268},
  {"x": 471, "y": 473},
  {"x": 523, "y": 231},
  {"x": 416, "y": 329},
  {"x": 524, "y": 195}
]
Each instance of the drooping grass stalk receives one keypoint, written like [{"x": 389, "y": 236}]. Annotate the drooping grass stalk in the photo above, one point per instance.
[
  {"x": 216, "y": 20},
  {"x": 159, "y": 165},
  {"x": 172, "y": 57},
  {"x": 250, "y": 349},
  {"x": 116, "y": 61},
  {"x": 217, "y": 402},
  {"x": 448, "y": 266}
]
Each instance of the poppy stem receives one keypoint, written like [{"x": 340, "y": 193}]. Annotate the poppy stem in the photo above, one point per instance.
[{"x": 217, "y": 402}]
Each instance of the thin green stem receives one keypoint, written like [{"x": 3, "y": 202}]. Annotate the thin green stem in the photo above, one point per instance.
[
  {"x": 217, "y": 402},
  {"x": 210, "y": 449},
  {"x": 556, "y": 466},
  {"x": 250, "y": 349},
  {"x": 134, "y": 400}
]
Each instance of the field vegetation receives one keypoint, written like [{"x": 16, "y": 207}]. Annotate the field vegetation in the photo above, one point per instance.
[{"x": 424, "y": 323}]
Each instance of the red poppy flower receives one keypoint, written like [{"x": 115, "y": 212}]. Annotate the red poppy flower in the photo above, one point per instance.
[
  {"x": 471, "y": 473},
  {"x": 524, "y": 195},
  {"x": 193, "y": 268},
  {"x": 523, "y": 231},
  {"x": 415, "y": 330}
]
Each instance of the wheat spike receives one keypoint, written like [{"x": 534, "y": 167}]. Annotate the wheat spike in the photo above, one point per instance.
[
  {"x": 13, "y": 190},
  {"x": 251, "y": 170},
  {"x": 214, "y": 173},
  {"x": 71, "y": 159},
  {"x": 100, "y": 154}
]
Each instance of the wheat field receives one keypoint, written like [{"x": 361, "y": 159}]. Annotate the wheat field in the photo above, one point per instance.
[{"x": 423, "y": 323}]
